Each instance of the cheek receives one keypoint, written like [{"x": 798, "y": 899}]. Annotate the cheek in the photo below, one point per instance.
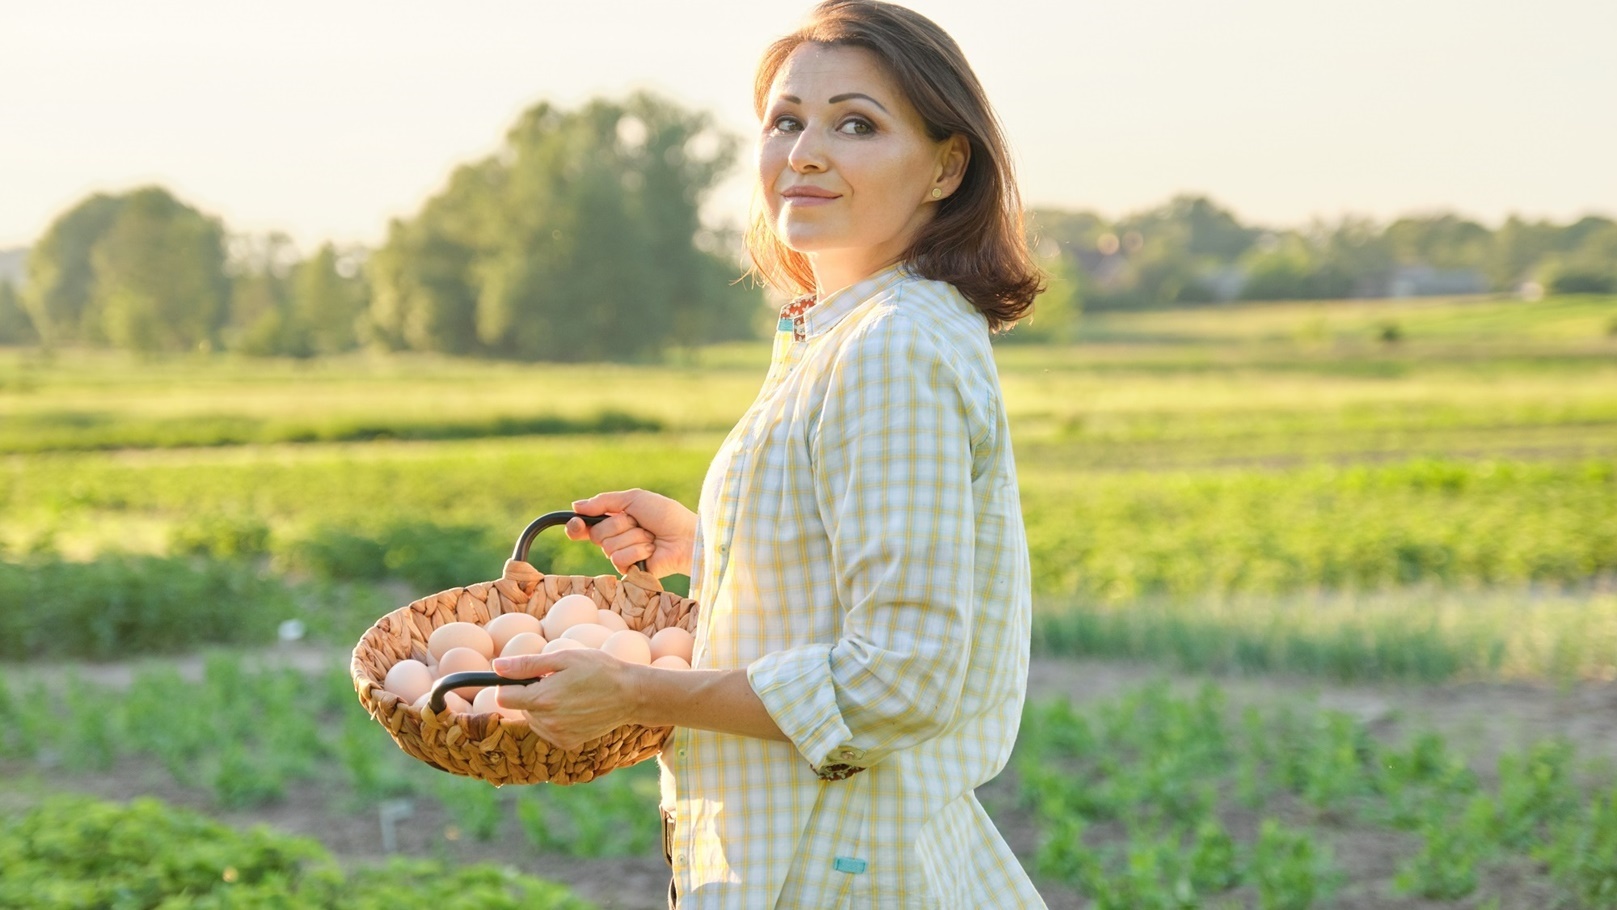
[{"x": 769, "y": 164}]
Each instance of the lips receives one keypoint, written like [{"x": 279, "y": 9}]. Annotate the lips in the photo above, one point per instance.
[{"x": 808, "y": 193}]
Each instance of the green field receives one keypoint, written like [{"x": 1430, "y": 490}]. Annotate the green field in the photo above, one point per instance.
[
  {"x": 1177, "y": 462},
  {"x": 1412, "y": 492}
]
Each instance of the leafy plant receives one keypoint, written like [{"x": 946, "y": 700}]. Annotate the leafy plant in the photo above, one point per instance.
[{"x": 74, "y": 852}]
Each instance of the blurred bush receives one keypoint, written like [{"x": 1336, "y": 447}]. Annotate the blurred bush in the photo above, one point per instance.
[
  {"x": 122, "y": 604},
  {"x": 74, "y": 852}
]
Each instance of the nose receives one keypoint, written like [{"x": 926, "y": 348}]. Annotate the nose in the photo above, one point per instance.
[{"x": 807, "y": 154}]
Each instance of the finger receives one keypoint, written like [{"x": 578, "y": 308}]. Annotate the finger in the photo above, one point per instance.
[
  {"x": 549, "y": 732},
  {"x": 628, "y": 556},
  {"x": 602, "y": 503},
  {"x": 529, "y": 666},
  {"x": 632, "y": 537},
  {"x": 576, "y": 529},
  {"x": 524, "y": 697},
  {"x": 612, "y": 526}
]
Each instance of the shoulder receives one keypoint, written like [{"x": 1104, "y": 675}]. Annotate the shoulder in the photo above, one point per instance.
[{"x": 926, "y": 320}]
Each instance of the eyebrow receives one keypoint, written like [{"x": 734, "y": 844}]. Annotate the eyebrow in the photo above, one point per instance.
[{"x": 838, "y": 99}]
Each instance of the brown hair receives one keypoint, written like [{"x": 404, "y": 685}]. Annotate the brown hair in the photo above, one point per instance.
[{"x": 975, "y": 239}]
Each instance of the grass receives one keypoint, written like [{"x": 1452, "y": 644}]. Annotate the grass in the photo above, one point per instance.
[
  {"x": 1239, "y": 369},
  {"x": 1425, "y": 634},
  {"x": 1494, "y": 321}
]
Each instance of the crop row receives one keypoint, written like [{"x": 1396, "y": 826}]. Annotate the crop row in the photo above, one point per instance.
[
  {"x": 1157, "y": 800},
  {"x": 1152, "y": 799},
  {"x": 1100, "y": 536},
  {"x": 249, "y": 734},
  {"x": 72, "y": 852}
]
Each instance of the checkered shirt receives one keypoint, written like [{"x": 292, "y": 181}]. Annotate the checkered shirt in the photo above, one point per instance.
[{"x": 860, "y": 551}]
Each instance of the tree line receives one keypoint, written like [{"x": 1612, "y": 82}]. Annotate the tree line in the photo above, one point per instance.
[
  {"x": 1190, "y": 250},
  {"x": 579, "y": 239}
]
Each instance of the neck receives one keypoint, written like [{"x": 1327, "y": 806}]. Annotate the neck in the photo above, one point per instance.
[{"x": 833, "y": 272}]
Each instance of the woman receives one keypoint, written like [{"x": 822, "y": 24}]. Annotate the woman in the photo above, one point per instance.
[{"x": 858, "y": 550}]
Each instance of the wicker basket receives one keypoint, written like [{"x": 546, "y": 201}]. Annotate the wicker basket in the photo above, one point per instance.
[{"x": 487, "y": 746}]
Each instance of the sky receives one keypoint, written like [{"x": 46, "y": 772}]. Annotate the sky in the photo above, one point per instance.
[{"x": 323, "y": 119}]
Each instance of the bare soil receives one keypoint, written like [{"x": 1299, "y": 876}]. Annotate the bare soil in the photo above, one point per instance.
[{"x": 1481, "y": 720}]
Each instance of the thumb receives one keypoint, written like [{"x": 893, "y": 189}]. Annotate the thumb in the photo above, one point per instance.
[
  {"x": 602, "y": 503},
  {"x": 527, "y": 666}
]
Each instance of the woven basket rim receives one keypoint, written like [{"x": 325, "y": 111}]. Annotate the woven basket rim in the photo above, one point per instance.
[{"x": 488, "y": 746}]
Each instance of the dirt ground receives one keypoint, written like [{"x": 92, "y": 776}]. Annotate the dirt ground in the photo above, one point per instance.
[{"x": 1482, "y": 720}]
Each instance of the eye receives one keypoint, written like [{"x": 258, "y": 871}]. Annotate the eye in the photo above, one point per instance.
[
  {"x": 856, "y": 126},
  {"x": 785, "y": 123}
]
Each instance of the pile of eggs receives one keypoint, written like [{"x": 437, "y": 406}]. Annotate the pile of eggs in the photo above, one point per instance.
[{"x": 573, "y": 621}]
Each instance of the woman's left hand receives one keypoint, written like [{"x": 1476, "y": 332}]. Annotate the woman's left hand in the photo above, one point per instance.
[{"x": 584, "y": 694}]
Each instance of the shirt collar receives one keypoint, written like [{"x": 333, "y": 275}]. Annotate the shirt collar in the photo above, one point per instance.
[{"x": 817, "y": 318}]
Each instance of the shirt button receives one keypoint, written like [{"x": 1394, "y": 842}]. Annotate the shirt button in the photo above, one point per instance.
[
  {"x": 680, "y": 753},
  {"x": 850, "y": 754}
]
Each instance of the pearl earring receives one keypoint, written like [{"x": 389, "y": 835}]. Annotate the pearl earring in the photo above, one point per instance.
[{"x": 937, "y": 192}]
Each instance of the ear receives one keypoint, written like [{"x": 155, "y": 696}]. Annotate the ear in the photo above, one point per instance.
[{"x": 954, "y": 153}]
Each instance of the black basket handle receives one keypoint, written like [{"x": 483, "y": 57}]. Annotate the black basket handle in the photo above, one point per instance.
[
  {"x": 468, "y": 678},
  {"x": 550, "y": 520}
]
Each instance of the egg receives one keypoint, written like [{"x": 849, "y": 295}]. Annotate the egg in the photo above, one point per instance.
[
  {"x": 672, "y": 640},
  {"x": 509, "y": 625},
  {"x": 591, "y": 635},
  {"x": 611, "y": 620},
  {"x": 524, "y": 643},
  {"x": 568, "y": 612},
  {"x": 563, "y": 644},
  {"x": 487, "y": 702},
  {"x": 671, "y": 662},
  {"x": 457, "y": 660},
  {"x": 628, "y": 646},
  {"x": 460, "y": 635},
  {"x": 408, "y": 679}
]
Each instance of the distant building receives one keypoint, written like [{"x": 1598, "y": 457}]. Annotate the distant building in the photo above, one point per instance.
[
  {"x": 1425, "y": 281},
  {"x": 14, "y": 266},
  {"x": 1106, "y": 270},
  {"x": 1225, "y": 283}
]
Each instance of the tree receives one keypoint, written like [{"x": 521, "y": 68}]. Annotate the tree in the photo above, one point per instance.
[
  {"x": 259, "y": 319},
  {"x": 1442, "y": 240},
  {"x": 15, "y": 326},
  {"x": 160, "y": 282},
  {"x": 328, "y": 301},
  {"x": 1056, "y": 311},
  {"x": 1590, "y": 268},
  {"x": 575, "y": 241},
  {"x": 1518, "y": 248},
  {"x": 61, "y": 280},
  {"x": 1293, "y": 268},
  {"x": 141, "y": 270}
]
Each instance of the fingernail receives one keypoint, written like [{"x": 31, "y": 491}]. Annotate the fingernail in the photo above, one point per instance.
[{"x": 501, "y": 664}]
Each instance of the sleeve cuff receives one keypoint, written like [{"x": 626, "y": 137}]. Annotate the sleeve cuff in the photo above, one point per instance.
[{"x": 795, "y": 687}]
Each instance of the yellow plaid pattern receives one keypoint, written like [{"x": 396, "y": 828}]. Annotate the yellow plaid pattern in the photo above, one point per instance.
[{"x": 861, "y": 552}]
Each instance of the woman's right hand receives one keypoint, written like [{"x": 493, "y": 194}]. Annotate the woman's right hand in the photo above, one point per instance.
[{"x": 640, "y": 525}]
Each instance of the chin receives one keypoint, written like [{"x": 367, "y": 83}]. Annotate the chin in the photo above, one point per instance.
[{"x": 811, "y": 238}]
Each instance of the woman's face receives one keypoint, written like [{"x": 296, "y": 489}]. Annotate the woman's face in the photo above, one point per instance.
[{"x": 845, "y": 166}]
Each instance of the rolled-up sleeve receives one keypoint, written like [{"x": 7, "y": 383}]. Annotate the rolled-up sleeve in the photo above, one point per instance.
[{"x": 892, "y": 462}]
